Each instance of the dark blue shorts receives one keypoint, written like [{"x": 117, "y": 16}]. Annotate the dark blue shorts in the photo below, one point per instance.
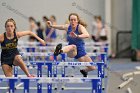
[
  {"x": 80, "y": 52},
  {"x": 8, "y": 58}
]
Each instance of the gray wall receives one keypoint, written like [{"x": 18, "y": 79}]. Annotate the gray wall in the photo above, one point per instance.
[
  {"x": 121, "y": 14},
  {"x": 20, "y": 10},
  {"x": 121, "y": 18}
]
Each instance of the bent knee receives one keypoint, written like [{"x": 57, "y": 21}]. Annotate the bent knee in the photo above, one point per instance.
[
  {"x": 18, "y": 58},
  {"x": 92, "y": 67}
]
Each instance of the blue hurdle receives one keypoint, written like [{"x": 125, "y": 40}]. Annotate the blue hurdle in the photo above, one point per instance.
[
  {"x": 100, "y": 65},
  {"x": 56, "y": 63},
  {"x": 40, "y": 63},
  {"x": 39, "y": 73},
  {"x": 55, "y": 67},
  {"x": 103, "y": 57},
  {"x": 96, "y": 82}
]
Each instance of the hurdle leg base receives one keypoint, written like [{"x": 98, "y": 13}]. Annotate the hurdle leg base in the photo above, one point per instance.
[{"x": 62, "y": 88}]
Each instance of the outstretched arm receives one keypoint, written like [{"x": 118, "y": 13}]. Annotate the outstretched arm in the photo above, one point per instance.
[
  {"x": 60, "y": 27},
  {"x": 24, "y": 33}
]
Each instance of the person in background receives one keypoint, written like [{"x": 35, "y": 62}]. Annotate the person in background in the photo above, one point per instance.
[
  {"x": 32, "y": 27},
  {"x": 40, "y": 30},
  {"x": 51, "y": 32},
  {"x": 99, "y": 32}
]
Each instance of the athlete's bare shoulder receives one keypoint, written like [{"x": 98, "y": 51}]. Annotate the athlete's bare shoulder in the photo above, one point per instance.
[{"x": 1, "y": 38}]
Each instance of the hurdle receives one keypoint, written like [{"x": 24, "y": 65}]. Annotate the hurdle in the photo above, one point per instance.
[
  {"x": 34, "y": 48},
  {"x": 54, "y": 66},
  {"x": 45, "y": 54},
  {"x": 125, "y": 83},
  {"x": 11, "y": 81},
  {"x": 100, "y": 68},
  {"x": 103, "y": 59},
  {"x": 39, "y": 72},
  {"x": 34, "y": 45},
  {"x": 103, "y": 56},
  {"x": 39, "y": 64},
  {"x": 96, "y": 82},
  {"x": 62, "y": 68},
  {"x": 105, "y": 50},
  {"x": 50, "y": 64},
  {"x": 39, "y": 67},
  {"x": 64, "y": 43},
  {"x": 39, "y": 44},
  {"x": 100, "y": 65},
  {"x": 129, "y": 90},
  {"x": 98, "y": 45}
]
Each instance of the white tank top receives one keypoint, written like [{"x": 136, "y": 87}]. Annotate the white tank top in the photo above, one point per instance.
[{"x": 103, "y": 32}]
